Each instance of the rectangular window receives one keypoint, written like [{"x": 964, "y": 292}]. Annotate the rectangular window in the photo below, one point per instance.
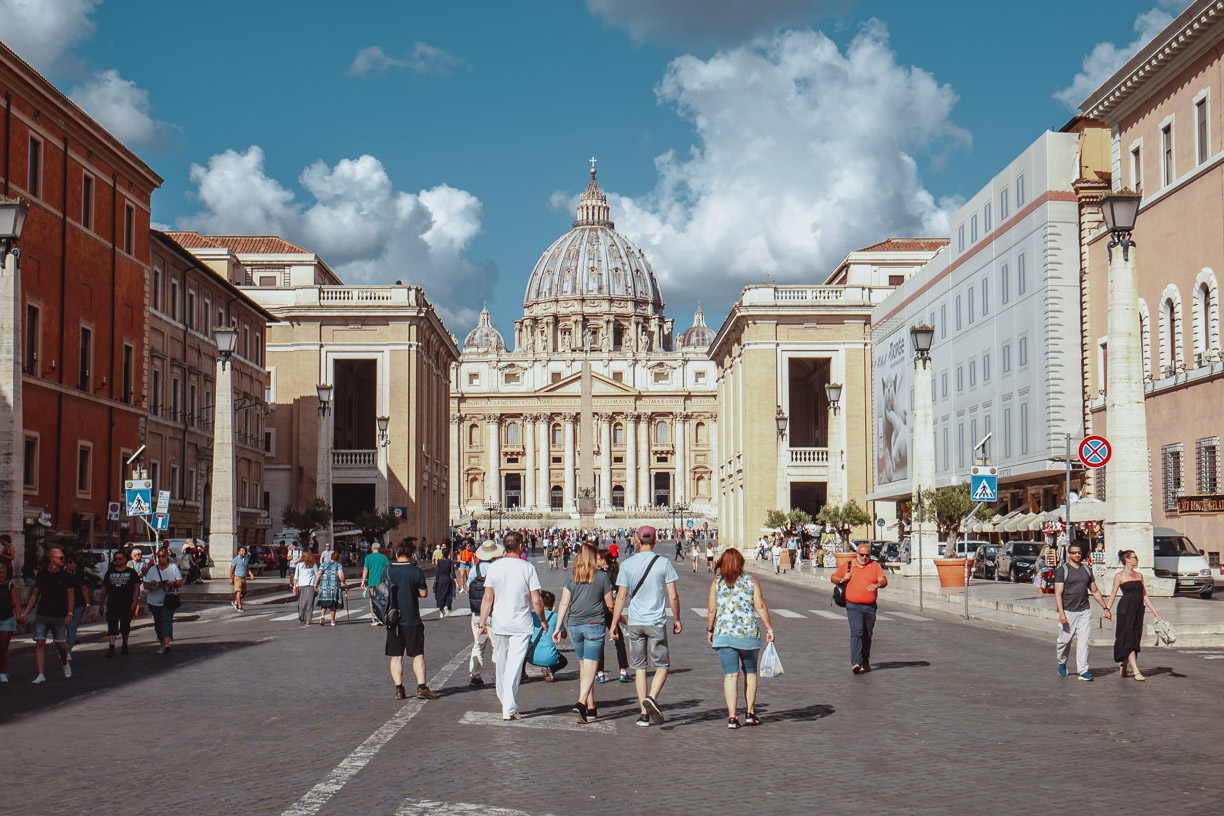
[
  {"x": 1021, "y": 275},
  {"x": 1019, "y": 191},
  {"x": 1003, "y": 202},
  {"x": 84, "y": 468},
  {"x": 1200, "y": 120},
  {"x": 973, "y": 438},
  {"x": 246, "y": 492},
  {"x": 155, "y": 476},
  {"x": 33, "y": 331},
  {"x": 34, "y": 175},
  {"x": 207, "y": 327},
  {"x": 1166, "y": 155},
  {"x": 126, "y": 393},
  {"x": 958, "y": 312},
  {"x": 1022, "y": 351},
  {"x": 973, "y": 233},
  {"x": 985, "y": 296},
  {"x": 1137, "y": 167},
  {"x": 943, "y": 321},
  {"x": 986, "y": 432},
  {"x": 1007, "y": 434},
  {"x": 129, "y": 229},
  {"x": 971, "y": 302},
  {"x": 960, "y": 444},
  {"x": 985, "y": 368},
  {"x": 193, "y": 405},
  {"x": 1024, "y": 435},
  {"x": 960, "y": 238},
  {"x": 1006, "y": 357},
  {"x": 1004, "y": 284},
  {"x": 86, "y": 358},
  {"x": 174, "y": 400},
  {"x": 246, "y": 342},
  {"x": 1171, "y": 458},
  {"x": 258, "y": 359},
  {"x": 174, "y": 481},
  {"x": 986, "y": 218},
  {"x": 618, "y": 376},
  {"x": 944, "y": 385},
  {"x": 157, "y": 287},
  {"x": 174, "y": 297},
  {"x": 189, "y": 494},
  {"x": 1208, "y": 465},
  {"x": 30, "y": 475},
  {"x": 87, "y": 203},
  {"x": 155, "y": 395},
  {"x": 190, "y": 313},
  {"x": 946, "y": 457},
  {"x": 960, "y": 378},
  {"x": 972, "y": 373}
]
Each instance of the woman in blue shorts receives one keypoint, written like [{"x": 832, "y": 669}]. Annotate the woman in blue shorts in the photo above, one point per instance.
[
  {"x": 586, "y": 595},
  {"x": 731, "y": 628}
]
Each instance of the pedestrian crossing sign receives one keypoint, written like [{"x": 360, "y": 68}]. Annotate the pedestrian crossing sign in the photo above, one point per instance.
[
  {"x": 139, "y": 496},
  {"x": 984, "y": 483}
]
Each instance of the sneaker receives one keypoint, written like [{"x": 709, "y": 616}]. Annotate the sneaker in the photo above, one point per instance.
[
  {"x": 600, "y": 677},
  {"x": 625, "y": 678},
  {"x": 423, "y": 693},
  {"x": 168, "y": 648},
  {"x": 240, "y": 608},
  {"x": 1086, "y": 676},
  {"x": 652, "y": 708},
  {"x": 866, "y": 668},
  {"x": 751, "y": 718},
  {"x": 511, "y": 717},
  {"x": 160, "y": 650},
  {"x": 1062, "y": 669},
  {"x": 4, "y": 678},
  {"x": 110, "y": 651},
  {"x": 643, "y": 720},
  {"x": 401, "y": 693},
  {"x": 592, "y": 713},
  {"x": 580, "y": 712},
  {"x": 67, "y": 670},
  {"x": 732, "y": 723},
  {"x": 40, "y": 679},
  {"x": 235, "y": 605},
  {"x": 856, "y": 668},
  {"x": 476, "y": 682}
]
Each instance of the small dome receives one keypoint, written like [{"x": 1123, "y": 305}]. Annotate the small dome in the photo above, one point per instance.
[
  {"x": 699, "y": 335},
  {"x": 484, "y": 338}
]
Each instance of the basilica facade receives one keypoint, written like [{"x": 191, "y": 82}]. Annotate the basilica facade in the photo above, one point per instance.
[{"x": 598, "y": 397}]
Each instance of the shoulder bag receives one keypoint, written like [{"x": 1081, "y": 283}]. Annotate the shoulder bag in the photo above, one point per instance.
[
  {"x": 839, "y": 590},
  {"x": 172, "y": 601}
]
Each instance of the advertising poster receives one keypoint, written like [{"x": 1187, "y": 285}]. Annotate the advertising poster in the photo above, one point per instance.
[{"x": 891, "y": 366}]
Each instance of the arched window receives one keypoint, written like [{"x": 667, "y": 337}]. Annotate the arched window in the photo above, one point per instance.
[
  {"x": 618, "y": 497},
  {"x": 556, "y": 497},
  {"x": 512, "y": 434},
  {"x": 474, "y": 436},
  {"x": 703, "y": 486},
  {"x": 1206, "y": 318},
  {"x": 1145, "y": 339},
  {"x": 1170, "y": 331},
  {"x": 702, "y": 436},
  {"x": 618, "y": 434},
  {"x": 474, "y": 491},
  {"x": 556, "y": 435},
  {"x": 662, "y": 434}
]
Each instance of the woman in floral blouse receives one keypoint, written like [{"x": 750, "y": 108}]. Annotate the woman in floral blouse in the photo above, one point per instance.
[{"x": 731, "y": 628}]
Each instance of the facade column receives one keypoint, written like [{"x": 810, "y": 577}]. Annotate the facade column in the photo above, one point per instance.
[
  {"x": 222, "y": 518},
  {"x": 544, "y": 465},
  {"x": 645, "y": 499},
  {"x": 529, "y": 432},
  {"x": 493, "y": 490},
  {"x": 570, "y": 463},
  {"x": 605, "y": 461},
  {"x": 455, "y": 459},
  {"x": 836, "y": 485},
  {"x": 631, "y": 462},
  {"x": 12, "y": 438},
  {"x": 680, "y": 488}
]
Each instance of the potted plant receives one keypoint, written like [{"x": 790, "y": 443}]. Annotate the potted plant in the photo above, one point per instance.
[{"x": 951, "y": 505}]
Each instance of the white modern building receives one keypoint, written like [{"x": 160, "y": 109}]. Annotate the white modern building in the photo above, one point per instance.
[{"x": 1003, "y": 298}]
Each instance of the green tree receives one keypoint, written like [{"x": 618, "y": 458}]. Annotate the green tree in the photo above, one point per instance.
[
  {"x": 374, "y": 525},
  {"x": 844, "y": 518},
  {"x": 798, "y": 517},
  {"x": 316, "y": 516},
  {"x": 950, "y": 506},
  {"x": 775, "y": 519}
]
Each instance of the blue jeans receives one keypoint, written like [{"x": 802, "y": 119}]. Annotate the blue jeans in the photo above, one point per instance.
[
  {"x": 862, "y": 619},
  {"x": 588, "y": 640},
  {"x": 78, "y": 612},
  {"x": 733, "y": 659},
  {"x": 163, "y": 621}
]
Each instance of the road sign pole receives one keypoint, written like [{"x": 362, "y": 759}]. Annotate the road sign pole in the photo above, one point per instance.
[{"x": 1068, "y": 491}]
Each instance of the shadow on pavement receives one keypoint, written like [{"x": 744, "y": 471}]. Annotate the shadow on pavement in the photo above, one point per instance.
[
  {"x": 902, "y": 664},
  {"x": 1163, "y": 670}
]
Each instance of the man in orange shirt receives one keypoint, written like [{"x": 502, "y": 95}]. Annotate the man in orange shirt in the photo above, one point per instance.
[{"x": 863, "y": 579}]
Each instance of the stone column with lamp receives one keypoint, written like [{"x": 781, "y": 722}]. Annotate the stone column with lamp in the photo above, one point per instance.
[
  {"x": 837, "y": 487},
  {"x": 12, "y": 429},
  {"x": 223, "y": 520},
  {"x": 924, "y": 535},
  {"x": 382, "y": 489}
]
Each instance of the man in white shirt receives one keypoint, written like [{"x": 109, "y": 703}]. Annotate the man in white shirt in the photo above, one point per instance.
[{"x": 511, "y": 592}]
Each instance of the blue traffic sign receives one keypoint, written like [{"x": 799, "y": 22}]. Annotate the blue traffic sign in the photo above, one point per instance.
[
  {"x": 161, "y": 521},
  {"x": 139, "y": 496},
  {"x": 984, "y": 484},
  {"x": 689, "y": 524}
]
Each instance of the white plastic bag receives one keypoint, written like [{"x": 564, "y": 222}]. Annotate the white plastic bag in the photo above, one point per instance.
[{"x": 769, "y": 664}]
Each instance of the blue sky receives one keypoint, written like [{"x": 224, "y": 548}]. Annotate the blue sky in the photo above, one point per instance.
[{"x": 444, "y": 143}]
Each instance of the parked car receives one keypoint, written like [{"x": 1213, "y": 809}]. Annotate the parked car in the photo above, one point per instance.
[
  {"x": 964, "y": 547},
  {"x": 99, "y": 561},
  {"x": 262, "y": 554},
  {"x": 984, "y": 560},
  {"x": 1175, "y": 556},
  {"x": 885, "y": 552},
  {"x": 1017, "y": 561}
]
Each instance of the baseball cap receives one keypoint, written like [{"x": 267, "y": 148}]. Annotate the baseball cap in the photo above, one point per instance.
[{"x": 646, "y": 531}]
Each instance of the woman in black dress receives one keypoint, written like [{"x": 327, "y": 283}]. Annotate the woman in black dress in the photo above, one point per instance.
[
  {"x": 444, "y": 583},
  {"x": 1128, "y": 622}
]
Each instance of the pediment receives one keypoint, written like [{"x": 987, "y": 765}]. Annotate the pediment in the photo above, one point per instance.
[{"x": 600, "y": 386}]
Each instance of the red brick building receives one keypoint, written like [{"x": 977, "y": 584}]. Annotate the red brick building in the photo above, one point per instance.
[{"x": 84, "y": 266}]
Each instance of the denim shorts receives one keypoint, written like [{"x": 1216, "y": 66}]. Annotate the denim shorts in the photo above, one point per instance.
[
  {"x": 9, "y": 624},
  {"x": 732, "y": 659},
  {"x": 588, "y": 640},
  {"x": 54, "y": 625}
]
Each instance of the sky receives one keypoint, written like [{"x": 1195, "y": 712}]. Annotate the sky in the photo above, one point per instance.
[{"x": 445, "y": 144}]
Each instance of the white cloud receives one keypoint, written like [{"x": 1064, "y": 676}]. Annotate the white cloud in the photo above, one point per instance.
[
  {"x": 717, "y": 21},
  {"x": 804, "y": 153},
  {"x": 423, "y": 59},
  {"x": 1106, "y": 57},
  {"x": 121, "y": 107},
  {"x": 43, "y": 32},
  {"x": 366, "y": 230}
]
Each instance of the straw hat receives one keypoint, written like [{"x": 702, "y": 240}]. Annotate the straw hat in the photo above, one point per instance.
[{"x": 489, "y": 550}]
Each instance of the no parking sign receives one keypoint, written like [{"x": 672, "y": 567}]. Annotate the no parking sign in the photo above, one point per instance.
[{"x": 1095, "y": 451}]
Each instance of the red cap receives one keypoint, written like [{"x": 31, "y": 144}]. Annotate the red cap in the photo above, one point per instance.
[{"x": 646, "y": 531}]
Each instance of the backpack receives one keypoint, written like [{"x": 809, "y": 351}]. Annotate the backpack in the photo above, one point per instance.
[
  {"x": 476, "y": 588},
  {"x": 382, "y": 601}
]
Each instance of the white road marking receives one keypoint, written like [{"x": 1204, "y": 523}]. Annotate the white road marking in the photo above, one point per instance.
[
  {"x": 908, "y": 616},
  {"x": 1213, "y": 657},
  {"x": 294, "y": 616},
  {"x": 351, "y": 765},
  {"x": 553, "y": 722},
  {"x": 824, "y": 613},
  {"x": 786, "y": 613},
  {"x": 882, "y": 617},
  {"x": 700, "y": 611},
  {"x": 245, "y": 616},
  {"x": 428, "y": 807}
]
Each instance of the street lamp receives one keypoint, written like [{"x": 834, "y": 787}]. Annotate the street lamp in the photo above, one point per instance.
[
  {"x": 13, "y": 214},
  {"x": 780, "y": 420},
  {"x": 833, "y": 391},
  {"x": 227, "y": 342},
  {"x": 384, "y": 438},
  {"x": 922, "y": 335},
  {"x": 1128, "y": 513},
  {"x": 924, "y": 538},
  {"x": 325, "y": 394}
]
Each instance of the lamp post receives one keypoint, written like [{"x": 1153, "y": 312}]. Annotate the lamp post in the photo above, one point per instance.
[
  {"x": 1128, "y": 513},
  {"x": 924, "y": 539},
  {"x": 222, "y": 520},
  {"x": 324, "y": 461},
  {"x": 781, "y": 420},
  {"x": 12, "y": 436},
  {"x": 838, "y": 489},
  {"x": 384, "y": 439}
]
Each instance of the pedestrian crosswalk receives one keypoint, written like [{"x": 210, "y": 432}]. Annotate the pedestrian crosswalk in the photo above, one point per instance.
[
  {"x": 786, "y": 613},
  {"x": 824, "y": 613}
]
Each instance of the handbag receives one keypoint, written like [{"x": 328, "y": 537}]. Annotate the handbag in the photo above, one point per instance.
[
  {"x": 839, "y": 595},
  {"x": 1164, "y": 633},
  {"x": 172, "y": 600}
]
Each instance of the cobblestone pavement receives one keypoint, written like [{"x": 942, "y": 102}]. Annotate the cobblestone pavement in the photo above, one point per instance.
[{"x": 253, "y": 714}]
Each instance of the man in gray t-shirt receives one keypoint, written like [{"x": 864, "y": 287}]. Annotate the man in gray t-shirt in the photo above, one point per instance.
[
  {"x": 1073, "y": 583},
  {"x": 647, "y": 583}
]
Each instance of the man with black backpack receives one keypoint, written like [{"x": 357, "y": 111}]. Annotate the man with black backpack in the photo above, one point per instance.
[
  {"x": 486, "y": 553},
  {"x": 647, "y": 584},
  {"x": 406, "y": 630}
]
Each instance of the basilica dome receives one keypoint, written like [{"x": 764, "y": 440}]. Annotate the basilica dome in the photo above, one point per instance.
[
  {"x": 593, "y": 261},
  {"x": 699, "y": 335},
  {"x": 484, "y": 338}
]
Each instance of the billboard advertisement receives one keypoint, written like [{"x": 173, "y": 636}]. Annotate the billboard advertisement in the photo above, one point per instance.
[{"x": 891, "y": 375}]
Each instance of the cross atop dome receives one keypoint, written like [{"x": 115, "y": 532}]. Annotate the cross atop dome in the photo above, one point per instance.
[{"x": 593, "y": 210}]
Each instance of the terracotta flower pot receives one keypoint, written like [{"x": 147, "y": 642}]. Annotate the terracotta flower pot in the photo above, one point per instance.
[
  {"x": 842, "y": 558},
  {"x": 952, "y": 571}
]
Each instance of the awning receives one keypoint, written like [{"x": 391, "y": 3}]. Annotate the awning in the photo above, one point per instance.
[{"x": 1082, "y": 510}]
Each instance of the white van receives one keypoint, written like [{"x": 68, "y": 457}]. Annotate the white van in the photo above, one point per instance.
[{"x": 1175, "y": 556}]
